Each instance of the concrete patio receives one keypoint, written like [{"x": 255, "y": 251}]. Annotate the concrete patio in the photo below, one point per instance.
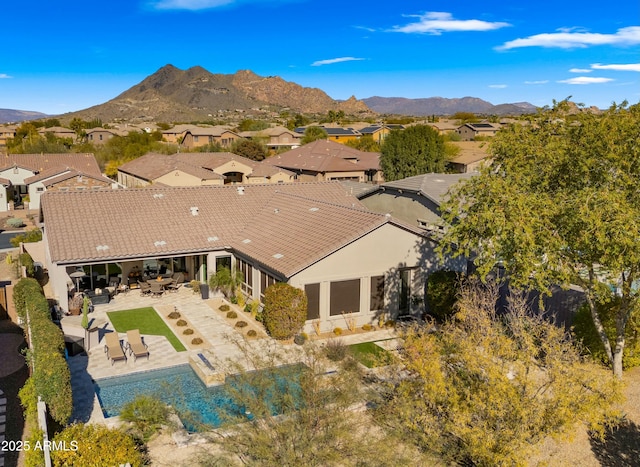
[{"x": 214, "y": 328}]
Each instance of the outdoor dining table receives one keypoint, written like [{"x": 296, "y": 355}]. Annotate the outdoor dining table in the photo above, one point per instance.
[{"x": 163, "y": 282}]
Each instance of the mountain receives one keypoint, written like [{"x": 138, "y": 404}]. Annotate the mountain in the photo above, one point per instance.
[
  {"x": 172, "y": 94},
  {"x": 443, "y": 106},
  {"x": 12, "y": 116}
]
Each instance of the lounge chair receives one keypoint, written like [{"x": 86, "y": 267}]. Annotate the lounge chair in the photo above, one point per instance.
[
  {"x": 112, "y": 347},
  {"x": 135, "y": 345}
]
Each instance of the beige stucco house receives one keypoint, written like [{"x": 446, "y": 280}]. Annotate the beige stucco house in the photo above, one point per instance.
[
  {"x": 196, "y": 137},
  {"x": 354, "y": 264}
]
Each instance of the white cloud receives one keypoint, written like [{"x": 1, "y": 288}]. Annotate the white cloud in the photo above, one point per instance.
[
  {"x": 335, "y": 60},
  {"x": 580, "y": 70},
  {"x": 193, "y": 5},
  {"x": 5, "y": 76},
  {"x": 570, "y": 40},
  {"x": 498, "y": 86},
  {"x": 585, "y": 80},
  {"x": 618, "y": 67},
  {"x": 435, "y": 22},
  {"x": 542, "y": 81}
]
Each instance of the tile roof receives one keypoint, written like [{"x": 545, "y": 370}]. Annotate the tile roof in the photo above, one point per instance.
[
  {"x": 74, "y": 173},
  {"x": 326, "y": 156},
  {"x": 160, "y": 221},
  {"x": 470, "y": 151},
  {"x": 84, "y": 162},
  {"x": 432, "y": 185}
]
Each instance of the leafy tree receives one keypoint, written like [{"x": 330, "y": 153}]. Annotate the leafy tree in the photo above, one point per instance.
[
  {"x": 416, "y": 150},
  {"x": 364, "y": 143},
  {"x": 314, "y": 133},
  {"x": 285, "y": 310},
  {"x": 442, "y": 290},
  {"x": 483, "y": 390},
  {"x": 465, "y": 117},
  {"x": 252, "y": 125},
  {"x": 226, "y": 281},
  {"x": 30, "y": 236},
  {"x": 250, "y": 149},
  {"x": 297, "y": 121},
  {"x": 560, "y": 206},
  {"x": 147, "y": 414}
]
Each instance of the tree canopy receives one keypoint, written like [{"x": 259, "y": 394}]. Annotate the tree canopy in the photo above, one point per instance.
[
  {"x": 416, "y": 150},
  {"x": 559, "y": 205},
  {"x": 250, "y": 149},
  {"x": 313, "y": 133}
]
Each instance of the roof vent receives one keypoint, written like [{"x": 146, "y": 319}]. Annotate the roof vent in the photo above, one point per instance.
[
  {"x": 194, "y": 210},
  {"x": 278, "y": 255},
  {"x": 212, "y": 239},
  {"x": 314, "y": 209},
  {"x": 240, "y": 190},
  {"x": 276, "y": 210},
  {"x": 160, "y": 243},
  {"x": 102, "y": 247},
  {"x": 246, "y": 240},
  {"x": 158, "y": 195}
]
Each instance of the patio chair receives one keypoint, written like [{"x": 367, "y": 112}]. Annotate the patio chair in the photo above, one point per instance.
[
  {"x": 156, "y": 288},
  {"x": 135, "y": 345},
  {"x": 174, "y": 286},
  {"x": 112, "y": 347},
  {"x": 145, "y": 288}
]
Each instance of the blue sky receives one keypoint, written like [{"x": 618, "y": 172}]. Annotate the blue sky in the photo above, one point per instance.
[{"x": 65, "y": 56}]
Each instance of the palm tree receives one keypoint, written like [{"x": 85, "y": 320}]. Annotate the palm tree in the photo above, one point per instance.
[{"x": 226, "y": 281}]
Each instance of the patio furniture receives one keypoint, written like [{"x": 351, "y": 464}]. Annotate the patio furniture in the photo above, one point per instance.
[
  {"x": 136, "y": 345},
  {"x": 99, "y": 296},
  {"x": 178, "y": 278},
  {"x": 156, "y": 288},
  {"x": 112, "y": 347},
  {"x": 145, "y": 288}
]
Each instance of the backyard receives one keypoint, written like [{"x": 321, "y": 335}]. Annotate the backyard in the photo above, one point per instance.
[{"x": 147, "y": 321}]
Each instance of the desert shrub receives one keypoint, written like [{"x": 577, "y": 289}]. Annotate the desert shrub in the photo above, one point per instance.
[
  {"x": 232, "y": 314},
  {"x": 300, "y": 339},
  {"x": 30, "y": 236},
  {"x": 337, "y": 331},
  {"x": 241, "y": 324},
  {"x": 252, "y": 333},
  {"x": 224, "y": 307},
  {"x": 336, "y": 350},
  {"x": 240, "y": 300},
  {"x": 174, "y": 315},
  {"x": 247, "y": 308},
  {"x": 15, "y": 222},
  {"x": 181, "y": 323},
  {"x": 585, "y": 331},
  {"x": 367, "y": 327},
  {"x": 442, "y": 290},
  {"x": 188, "y": 332},
  {"x": 96, "y": 445},
  {"x": 285, "y": 310},
  {"x": 389, "y": 324},
  {"x": 196, "y": 341},
  {"x": 195, "y": 286},
  {"x": 147, "y": 414}
]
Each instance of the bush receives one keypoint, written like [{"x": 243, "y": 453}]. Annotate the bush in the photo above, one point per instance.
[
  {"x": 195, "y": 286},
  {"x": 252, "y": 333},
  {"x": 336, "y": 350},
  {"x": 224, "y": 307},
  {"x": 241, "y": 324},
  {"x": 96, "y": 445},
  {"x": 181, "y": 323},
  {"x": 174, "y": 315},
  {"x": 232, "y": 314},
  {"x": 367, "y": 327},
  {"x": 300, "y": 339},
  {"x": 337, "y": 331},
  {"x": 188, "y": 332},
  {"x": 442, "y": 290},
  {"x": 585, "y": 331},
  {"x": 15, "y": 222},
  {"x": 30, "y": 236},
  {"x": 147, "y": 414},
  {"x": 285, "y": 310},
  {"x": 196, "y": 341}
]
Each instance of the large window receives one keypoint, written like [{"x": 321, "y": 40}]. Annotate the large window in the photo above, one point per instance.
[
  {"x": 345, "y": 297},
  {"x": 247, "y": 276},
  {"x": 265, "y": 281},
  {"x": 313, "y": 300},
  {"x": 405, "y": 291},
  {"x": 376, "y": 295}
]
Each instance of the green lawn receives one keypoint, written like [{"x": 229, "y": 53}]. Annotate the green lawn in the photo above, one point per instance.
[
  {"x": 147, "y": 320},
  {"x": 370, "y": 354}
]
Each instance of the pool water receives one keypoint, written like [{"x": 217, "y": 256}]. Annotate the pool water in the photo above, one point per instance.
[{"x": 181, "y": 388}]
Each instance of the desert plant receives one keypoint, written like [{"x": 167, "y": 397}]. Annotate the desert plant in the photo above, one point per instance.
[
  {"x": 188, "y": 332},
  {"x": 367, "y": 327},
  {"x": 300, "y": 339},
  {"x": 174, "y": 315},
  {"x": 336, "y": 350},
  {"x": 146, "y": 413},
  {"x": 232, "y": 314},
  {"x": 224, "y": 307},
  {"x": 196, "y": 341},
  {"x": 285, "y": 310},
  {"x": 195, "y": 286},
  {"x": 241, "y": 324},
  {"x": 240, "y": 297},
  {"x": 226, "y": 280},
  {"x": 181, "y": 323},
  {"x": 252, "y": 333},
  {"x": 15, "y": 222},
  {"x": 337, "y": 331}
]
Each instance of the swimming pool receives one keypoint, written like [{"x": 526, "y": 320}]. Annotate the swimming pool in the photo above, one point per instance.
[{"x": 181, "y": 388}]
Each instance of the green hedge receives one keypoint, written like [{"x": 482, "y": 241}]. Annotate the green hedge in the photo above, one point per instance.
[
  {"x": 442, "y": 291},
  {"x": 50, "y": 374}
]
